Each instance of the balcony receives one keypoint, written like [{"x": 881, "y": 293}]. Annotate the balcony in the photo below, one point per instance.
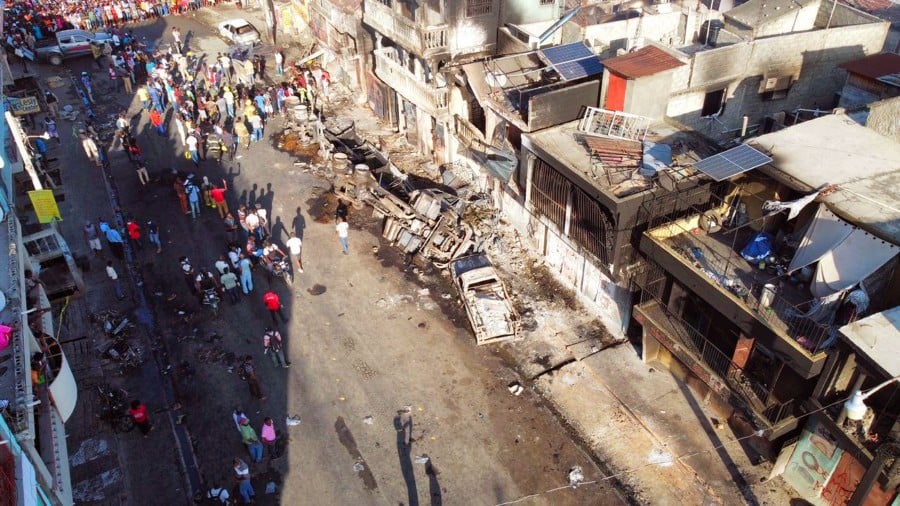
[
  {"x": 764, "y": 303},
  {"x": 422, "y": 41},
  {"x": 713, "y": 365},
  {"x": 430, "y": 100}
]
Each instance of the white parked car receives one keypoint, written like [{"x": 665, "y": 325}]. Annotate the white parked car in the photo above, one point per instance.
[{"x": 239, "y": 31}]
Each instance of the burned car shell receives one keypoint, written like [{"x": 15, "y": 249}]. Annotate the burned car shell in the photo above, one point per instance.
[{"x": 487, "y": 303}]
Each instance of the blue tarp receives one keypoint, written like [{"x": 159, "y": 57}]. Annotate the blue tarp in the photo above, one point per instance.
[{"x": 759, "y": 248}]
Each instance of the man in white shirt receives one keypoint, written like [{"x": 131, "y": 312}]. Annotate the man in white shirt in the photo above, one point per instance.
[
  {"x": 114, "y": 278},
  {"x": 342, "y": 229},
  {"x": 218, "y": 492},
  {"x": 191, "y": 142},
  {"x": 295, "y": 248}
]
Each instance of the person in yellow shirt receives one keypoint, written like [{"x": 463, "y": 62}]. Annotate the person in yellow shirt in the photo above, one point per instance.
[{"x": 144, "y": 96}]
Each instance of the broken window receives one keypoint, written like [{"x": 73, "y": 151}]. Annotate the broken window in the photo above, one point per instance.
[
  {"x": 713, "y": 103},
  {"x": 478, "y": 7},
  {"x": 549, "y": 193}
]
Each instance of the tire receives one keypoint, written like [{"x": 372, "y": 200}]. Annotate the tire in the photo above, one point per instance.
[
  {"x": 124, "y": 424},
  {"x": 55, "y": 59}
]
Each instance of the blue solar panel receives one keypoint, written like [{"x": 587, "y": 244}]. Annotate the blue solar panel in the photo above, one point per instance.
[
  {"x": 569, "y": 52},
  {"x": 580, "y": 68},
  {"x": 732, "y": 162}
]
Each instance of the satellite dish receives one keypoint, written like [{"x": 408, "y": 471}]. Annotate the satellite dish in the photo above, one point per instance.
[{"x": 496, "y": 79}]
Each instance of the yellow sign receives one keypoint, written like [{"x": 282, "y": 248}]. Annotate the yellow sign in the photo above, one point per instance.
[{"x": 45, "y": 207}]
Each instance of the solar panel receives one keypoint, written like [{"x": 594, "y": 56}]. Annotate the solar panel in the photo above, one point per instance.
[
  {"x": 732, "y": 162},
  {"x": 569, "y": 52},
  {"x": 579, "y": 68}
]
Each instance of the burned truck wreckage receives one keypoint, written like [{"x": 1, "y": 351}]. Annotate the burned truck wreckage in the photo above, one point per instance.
[{"x": 420, "y": 217}]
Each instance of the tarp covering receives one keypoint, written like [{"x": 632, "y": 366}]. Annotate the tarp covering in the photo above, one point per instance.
[
  {"x": 759, "y": 248},
  {"x": 824, "y": 233},
  {"x": 855, "y": 258}
]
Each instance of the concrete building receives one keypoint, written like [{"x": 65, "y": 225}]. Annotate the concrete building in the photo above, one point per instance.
[
  {"x": 346, "y": 48},
  {"x": 871, "y": 79},
  {"x": 34, "y": 466},
  {"x": 764, "y": 59},
  {"x": 848, "y": 457},
  {"x": 744, "y": 300},
  {"x": 413, "y": 43}
]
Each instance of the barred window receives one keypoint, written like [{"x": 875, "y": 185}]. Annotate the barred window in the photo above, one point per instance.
[
  {"x": 478, "y": 7},
  {"x": 592, "y": 228},
  {"x": 549, "y": 193},
  {"x": 547, "y": 2}
]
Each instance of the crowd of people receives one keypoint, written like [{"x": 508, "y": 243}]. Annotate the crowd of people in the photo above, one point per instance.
[{"x": 218, "y": 108}]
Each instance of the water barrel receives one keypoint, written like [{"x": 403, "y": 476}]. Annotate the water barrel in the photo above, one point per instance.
[
  {"x": 341, "y": 164},
  {"x": 300, "y": 113}
]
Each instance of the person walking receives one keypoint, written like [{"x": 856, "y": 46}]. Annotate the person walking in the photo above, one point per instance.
[
  {"x": 218, "y": 494},
  {"x": 251, "y": 441},
  {"x": 141, "y": 170},
  {"x": 176, "y": 40},
  {"x": 191, "y": 142},
  {"x": 156, "y": 120},
  {"x": 218, "y": 196},
  {"x": 153, "y": 235},
  {"x": 230, "y": 283},
  {"x": 237, "y": 415},
  {"x": 274, "y": 347},
  {"x": 52, "y": 103},
  {"x": 114, "y": 239},
  {"x": 268, "y": 436},
  {"x": 139, "y": 414},
  {"x": 273, "y": 304},
  {"x": 246, "y": 266},
  {"x": 295, "y": 249},
  {"x": 114, "y": 279},
  {"x": 90, "y": 147},
  {"x": 342, "y": 229},
  {"x": 134, "y": 234},
  {"x": 92, "y": 236},
  {"x": 242, "y": 477},
  {"x": 193, "y": 196},
  {"x": 247, "y": 372}
]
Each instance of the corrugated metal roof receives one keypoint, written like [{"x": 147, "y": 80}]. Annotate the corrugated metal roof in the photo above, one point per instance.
[
  {"x": 874, "y": 66},
  {"x": 646, "y": 61}
]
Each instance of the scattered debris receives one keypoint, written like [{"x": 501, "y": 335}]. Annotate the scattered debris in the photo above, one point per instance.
[
  {"x": 575, "y": 476},
  {"x": 515, "y": 388},
  {"x": 422, "y": 459},
  {"x": 271, "y": 487},
  {"x": 292, "y": 420},
  {"x": 368, "y": 420},
  {"x": 359, "y": 467}
]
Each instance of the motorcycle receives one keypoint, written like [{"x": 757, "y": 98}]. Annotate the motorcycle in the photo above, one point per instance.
[
  {"x": 211, "y": 299},
  {"x": 114, "y": 409},
  {"x": 281, "y": 268}
]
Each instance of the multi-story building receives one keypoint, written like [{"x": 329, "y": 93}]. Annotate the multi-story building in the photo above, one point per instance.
[
  {"x": 743, "y": 295},
  {"x": 849, "y": 449},
  {"x": 413, "y": 45},
  {"x": 37, "y": 388}
]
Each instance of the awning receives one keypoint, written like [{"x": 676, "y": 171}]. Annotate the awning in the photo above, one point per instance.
[
  {"x": 854, "y": 259},
  {"x": 824, "y": 233}
]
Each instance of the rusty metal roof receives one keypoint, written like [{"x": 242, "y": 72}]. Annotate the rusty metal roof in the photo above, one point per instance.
[
  {"x": 875, "y": 66},
  {"x": 615, "y": 152},
  {"x": 646, "y": 61}
]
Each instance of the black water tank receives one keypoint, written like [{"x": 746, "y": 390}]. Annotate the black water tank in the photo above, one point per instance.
[{"x": 709, "y": 32}]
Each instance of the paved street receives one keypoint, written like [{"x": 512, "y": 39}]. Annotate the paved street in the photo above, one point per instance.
[{"x": 366, "y": 337}]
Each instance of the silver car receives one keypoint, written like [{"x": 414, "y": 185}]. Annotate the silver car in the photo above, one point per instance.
[{"x": 239, "y": 31}]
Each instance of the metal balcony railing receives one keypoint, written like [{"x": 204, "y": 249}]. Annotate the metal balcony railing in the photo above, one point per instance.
[
  {"x": 421, "y": 40},
  {"x": 433, "y": 101}
]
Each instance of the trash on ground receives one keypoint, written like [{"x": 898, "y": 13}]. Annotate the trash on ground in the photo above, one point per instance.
[
  {"x": 358, "y": 467},
  {"x": 422, "y": 459},
  {"x": 368, "y": 420},
  {"x": 576, "y": 476},
  {"x": 292, "y": 420}
]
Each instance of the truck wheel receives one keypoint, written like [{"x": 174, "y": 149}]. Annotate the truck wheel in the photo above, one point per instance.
[{"x": 56, "y": 59}]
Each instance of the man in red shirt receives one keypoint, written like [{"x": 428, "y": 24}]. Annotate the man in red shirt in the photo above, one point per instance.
[
  {"x": 139, "y": 414},
  {"x": 218, "y": 196},
  {"x": 273, "y": 304},
  {"x": 134, "y": 233}
]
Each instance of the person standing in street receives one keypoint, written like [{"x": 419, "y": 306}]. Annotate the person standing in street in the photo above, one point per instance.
[
  {"x": 268, "y": 435},
  {"x": 153, "y": 235},
  {"x": 139, "y": 414},
  {"x": 92, "y": 236},
  {"x": 274, "y": 347},
  {"x": 218, "y": 196},
  {"x": 242, "y": 477},
  {"x": 295, "y": 249},
  {"x": 273, "y": 304},
  {"x": 229, "y": 282},
  {"x": 342, "y": 229},
  {"x": 218, "y": 494},
  {"x": 251, "y": 441},
  {"x": 246, "y": 266},
  {"x": 114, "y": 239},
  {"x": 176, "y": 40},
  {"x": 247, "y": 372},
  {"x": 134, "y": 234},
  {"x": 90, "y": 147},
  {"x": 193, "y": 196},
  {"x": 181, "y": 194},
  {"x": 114, "y": 278},
  {"x": 237, "y": 415}
]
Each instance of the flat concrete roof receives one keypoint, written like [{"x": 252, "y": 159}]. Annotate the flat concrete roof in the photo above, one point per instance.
[
  {"x": 836, "y": 150},
  {"x": 878, "y": 338}
]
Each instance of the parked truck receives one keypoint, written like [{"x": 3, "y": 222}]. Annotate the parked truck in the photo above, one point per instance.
[{"x": 71, "y": 43}]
